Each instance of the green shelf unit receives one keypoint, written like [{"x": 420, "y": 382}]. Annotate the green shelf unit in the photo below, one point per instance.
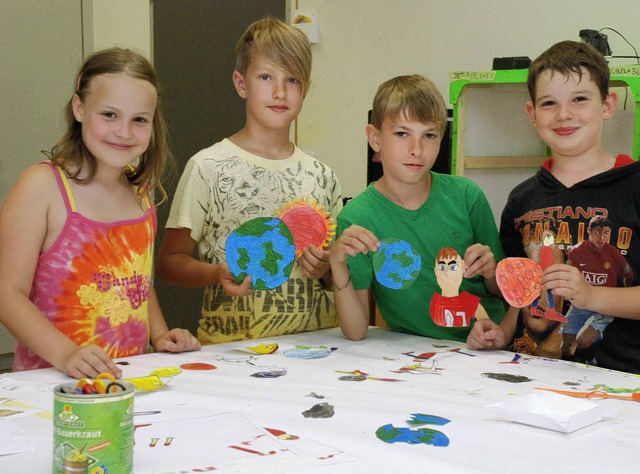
[{"x": 621, "y": 76}]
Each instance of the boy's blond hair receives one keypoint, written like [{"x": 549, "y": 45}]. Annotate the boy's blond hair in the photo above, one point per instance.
[
  {"x": 570, "y": 57},
  {"x": 414, "y": 96},
  {"x": 281, "y": 44}
]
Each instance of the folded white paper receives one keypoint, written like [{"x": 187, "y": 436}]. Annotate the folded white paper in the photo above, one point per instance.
[{"x": 550, "y": 410}]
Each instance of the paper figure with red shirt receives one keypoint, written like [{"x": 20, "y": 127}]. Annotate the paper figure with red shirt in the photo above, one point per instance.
[{"x": 453, "y": 308}]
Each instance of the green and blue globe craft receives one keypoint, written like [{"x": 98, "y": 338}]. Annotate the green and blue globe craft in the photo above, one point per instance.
[
  {"x": 265, "y": 248},
  {"x": 262, "y": 248},
  {"x": 396, "y": 264}
]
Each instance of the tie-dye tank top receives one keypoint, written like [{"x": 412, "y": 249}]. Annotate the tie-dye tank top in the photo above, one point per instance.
[{"x": 93, "y": 282}]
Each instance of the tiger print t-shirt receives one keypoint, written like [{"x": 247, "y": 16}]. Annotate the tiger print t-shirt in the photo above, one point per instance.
[{"x": 224, "y": 186}]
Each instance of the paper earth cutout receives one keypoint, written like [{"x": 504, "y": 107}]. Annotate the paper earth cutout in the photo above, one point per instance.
[
  {"x": 396, "y": 264},
  {"x": 519, "y": 280},
  {"x": 394, "y": 434},
  {"x": 262, "y": 248}
]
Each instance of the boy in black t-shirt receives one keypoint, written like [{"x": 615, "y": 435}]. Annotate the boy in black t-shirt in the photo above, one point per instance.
[{"x": 570, "y": 100}]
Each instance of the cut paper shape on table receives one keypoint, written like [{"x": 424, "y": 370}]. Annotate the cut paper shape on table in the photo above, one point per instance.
[
  {"x": 519, "y": 280},
  {"x": 606, "y": 388},
  {"x": 24, "y": 408},
  {"x": 516, "y": 359},
  {"x": 197, "y": 366},
  {"x": 394, "y": 434},
  {"x": 9, "y": 413},
  {"x": 308, "y": 222},
  {"x": 158, "y": 378},
  {"x": 396, "y": 264},
  {"x": 453, "y": 308},
  {"x": 315, "y": 395},
  {"x": 307, "y": 352},
  {"x": 264, "y": 348},
  {"x": 423, "y": 419},
  {"x": 512, "y": 378},
  {"x": 262, "y": 248},
  {"x": 419, "y": 369},
  {"x": 359, "y": 376},
  {"x": 146, "y": 384},
  {"x": 429, "y": 355},
  {"x": 551, "y": 411},
  {"x": 319, "y": 410},
  {"x": 271, "y": 373},
  {"x": 282, "y": 434},
  {"x": 239, "y": 360},
  {"x": 166, "y": 372}
]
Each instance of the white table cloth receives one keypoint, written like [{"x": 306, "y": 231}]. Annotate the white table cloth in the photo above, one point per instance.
[{"x": 330, "y": 414}]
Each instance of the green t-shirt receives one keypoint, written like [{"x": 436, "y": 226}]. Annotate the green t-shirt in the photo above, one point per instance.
[{"x": 456, "y": 214}]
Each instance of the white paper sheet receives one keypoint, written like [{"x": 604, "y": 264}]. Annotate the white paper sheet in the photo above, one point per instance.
[{"x": 550, "y": 410}]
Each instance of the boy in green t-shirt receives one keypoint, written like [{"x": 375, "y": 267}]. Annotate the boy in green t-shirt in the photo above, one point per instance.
[{"x": 430, "y": 211}]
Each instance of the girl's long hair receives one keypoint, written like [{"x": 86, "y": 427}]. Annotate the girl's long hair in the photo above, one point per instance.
[{"x": 72, "y": 155}]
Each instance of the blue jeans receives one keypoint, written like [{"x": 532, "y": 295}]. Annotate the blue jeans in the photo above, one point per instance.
[{"x": 576, "y": 319}]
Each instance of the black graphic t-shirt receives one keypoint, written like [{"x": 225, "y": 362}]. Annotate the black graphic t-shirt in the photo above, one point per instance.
[{"x": 541, "y": 204}]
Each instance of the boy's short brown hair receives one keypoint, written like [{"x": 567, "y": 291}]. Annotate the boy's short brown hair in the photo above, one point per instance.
[
  {"x": 414, "y": 96},
  {"x": 569, "y": 57},
  {"x": 281, "y": 44}
]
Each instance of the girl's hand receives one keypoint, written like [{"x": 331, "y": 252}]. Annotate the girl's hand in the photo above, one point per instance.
[
  {"x": 176, "y": 340},
  {"x": 89, "y": 361}
]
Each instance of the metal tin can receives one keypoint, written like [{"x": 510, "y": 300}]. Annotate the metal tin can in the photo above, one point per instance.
[{"x": 92, "y": 433}]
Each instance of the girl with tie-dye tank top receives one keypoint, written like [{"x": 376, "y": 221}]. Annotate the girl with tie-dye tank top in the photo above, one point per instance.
[
  {"x": 77, "y": 233},
  {"x": 93, "y": 282}
]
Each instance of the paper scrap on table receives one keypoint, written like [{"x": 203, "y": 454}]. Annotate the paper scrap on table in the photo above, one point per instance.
[
  {"x": 9, "y": 412},
  {"x": 551, "y": 411},
  {"x": 146, "y": 384},
  {"x": 232, "y": 444}
]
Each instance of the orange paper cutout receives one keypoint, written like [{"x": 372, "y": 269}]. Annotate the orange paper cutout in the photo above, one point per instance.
[{"x": 519, "y": 280}]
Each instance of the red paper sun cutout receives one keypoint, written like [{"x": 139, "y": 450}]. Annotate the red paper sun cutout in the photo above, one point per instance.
[{"x": 308, "y": 222}]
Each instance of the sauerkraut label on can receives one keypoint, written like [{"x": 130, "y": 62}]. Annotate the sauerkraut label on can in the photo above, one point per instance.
[{"x": 93, "y": 433}]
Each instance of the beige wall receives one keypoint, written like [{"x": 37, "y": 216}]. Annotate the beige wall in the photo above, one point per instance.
[
  {"x": 364, "y": 42},
  {"x": 125, "y": 23}
]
